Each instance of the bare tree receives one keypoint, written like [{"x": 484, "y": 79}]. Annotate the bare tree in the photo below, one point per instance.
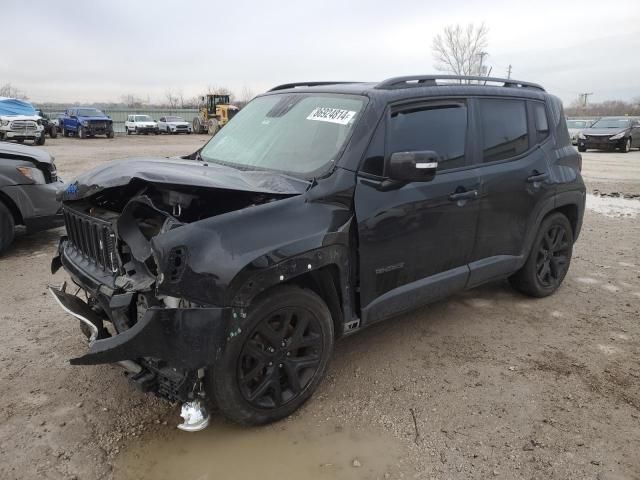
[
  {"x": 132, "y": 101},
  {"x": 172, "y": 98},
  {"x": 459, "y": 50},
  {"x": 246, "y": 95},
  {"x": 8, "y": 90},
  {"x": 605, "y": 108}
]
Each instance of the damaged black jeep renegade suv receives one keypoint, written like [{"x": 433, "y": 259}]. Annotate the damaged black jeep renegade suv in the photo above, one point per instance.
[{"x": 320, "y": 209}]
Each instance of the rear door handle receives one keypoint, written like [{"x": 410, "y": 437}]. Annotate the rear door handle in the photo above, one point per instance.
[
  {"x": 537, "y": 177},
  {"x": 468, "y": 195}
]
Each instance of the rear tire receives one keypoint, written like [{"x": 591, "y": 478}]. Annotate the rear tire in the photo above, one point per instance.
[
  {"x": 548, "y": 260},
  {"x": 276, "y": 360},
  {"x": 7, "y": 228}
]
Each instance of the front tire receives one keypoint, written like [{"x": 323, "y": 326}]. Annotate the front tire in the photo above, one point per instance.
[
  {"x": 54, "y": 132},
  {"x": 110, "y": 134},
  {"x": 277, "y": 360},
  {"x": 81, "y": 132},
  {"x": 626, "y": 148},
  {"x": 7, "y": 228},
  {"x": 40, "y": 140},
  {"x": 582, "y": 149},
  {"x": 549, "y": 259}
]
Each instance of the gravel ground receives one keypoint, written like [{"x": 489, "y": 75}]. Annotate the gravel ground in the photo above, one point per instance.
[{"x": 488, "y": 383}]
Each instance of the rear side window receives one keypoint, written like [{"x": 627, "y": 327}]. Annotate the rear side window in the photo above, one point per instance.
[
  {"x": 441, "y": 128},
  {"x": 540, "y": 121},
  {"x": 504, "y": 128}
]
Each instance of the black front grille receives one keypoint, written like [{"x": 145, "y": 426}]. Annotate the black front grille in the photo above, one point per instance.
[
  {"x": 98, "y": 123},
  {"x": 93, "y": 238}
]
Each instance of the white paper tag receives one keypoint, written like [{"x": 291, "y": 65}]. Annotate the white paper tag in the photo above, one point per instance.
[{"x": 332, "y": 115}]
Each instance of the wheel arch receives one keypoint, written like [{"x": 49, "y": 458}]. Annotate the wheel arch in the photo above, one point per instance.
[
  {"x": 13, "y": 208},
  {"x": 325, "y": 271}
]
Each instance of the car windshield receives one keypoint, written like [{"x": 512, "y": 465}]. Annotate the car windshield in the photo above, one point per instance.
[
  {"x": 89, "y": 112},
  {"x": 577, "y": 123},
  {"x": 299, "y": 133},
  {"x": 143, "y": 118},
  {"x": 611, "y": 123},
  {"x": 175, "y": 119}
]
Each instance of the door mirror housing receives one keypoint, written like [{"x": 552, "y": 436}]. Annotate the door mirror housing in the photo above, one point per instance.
[{"x": 417, "y": 166}]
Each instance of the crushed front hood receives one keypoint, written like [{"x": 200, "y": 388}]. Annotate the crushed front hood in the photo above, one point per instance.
[{"x": 166, "y": 171}]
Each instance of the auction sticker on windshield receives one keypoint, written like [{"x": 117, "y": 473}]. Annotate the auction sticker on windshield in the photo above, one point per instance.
[{"x": 333, "y": 115}]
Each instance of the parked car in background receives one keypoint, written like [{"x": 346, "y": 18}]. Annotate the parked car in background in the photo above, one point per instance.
[
  {"x": 575, "y": 126},
  {"x": 141, "y": 124},
  {"x": 86, "y": 122},
  {"x": 50, "y": 126},
  {"x": 172, "y": 124},
  {"x": 28, "y": 184},
  {"x": 609, "y": 133},
  {"x": 318, "y": 210},
  {"x": 19, "y": 121}
]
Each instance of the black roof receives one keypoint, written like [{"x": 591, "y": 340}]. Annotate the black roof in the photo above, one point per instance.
[{"x": 399, "y": 88}]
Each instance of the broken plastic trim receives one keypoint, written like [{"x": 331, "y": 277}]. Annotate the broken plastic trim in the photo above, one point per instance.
[{"x": 59, "y": 295}]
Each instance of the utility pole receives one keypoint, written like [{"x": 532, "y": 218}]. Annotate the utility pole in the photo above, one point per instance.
[
  {"x": 481, "y": 55},
  {"x": 584, "y": 97},
  {"x": 509, "y": 71}
]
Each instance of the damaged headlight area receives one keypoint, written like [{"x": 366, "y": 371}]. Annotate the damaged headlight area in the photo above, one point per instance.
[{"x": 164, "y": 342}]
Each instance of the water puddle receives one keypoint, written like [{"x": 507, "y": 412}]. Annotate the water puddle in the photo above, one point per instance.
[
  {"x": 613, "y": 206},
  {"x": 286, "y": 450}
]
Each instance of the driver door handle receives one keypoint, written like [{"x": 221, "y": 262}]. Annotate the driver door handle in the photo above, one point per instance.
[
  {"x": 468, "y": 195},
  {"x": 537, "y": 177}
]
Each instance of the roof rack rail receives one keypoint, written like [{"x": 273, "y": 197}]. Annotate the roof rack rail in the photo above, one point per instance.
[
  {"x": 285, "y": 86},
  {"x": 431, "y": 80}
]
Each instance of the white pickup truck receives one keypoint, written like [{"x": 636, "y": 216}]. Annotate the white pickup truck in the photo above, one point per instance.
[{"x": 19, "y": 121}]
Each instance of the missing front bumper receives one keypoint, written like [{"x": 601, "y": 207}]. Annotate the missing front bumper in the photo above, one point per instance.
[{"x": 185, "y": 338}]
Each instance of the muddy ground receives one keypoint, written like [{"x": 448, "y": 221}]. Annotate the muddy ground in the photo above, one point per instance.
[{"x": 487, "y": 384}]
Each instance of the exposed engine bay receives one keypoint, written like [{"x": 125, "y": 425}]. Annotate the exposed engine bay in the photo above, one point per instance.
[{"x": 110, "y": 235}]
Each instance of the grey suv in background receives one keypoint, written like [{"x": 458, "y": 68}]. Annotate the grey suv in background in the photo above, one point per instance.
[{"x": 28, "y": 184}]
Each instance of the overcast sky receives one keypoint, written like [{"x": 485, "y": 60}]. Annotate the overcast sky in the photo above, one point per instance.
[{"x": 98, "y": 51}]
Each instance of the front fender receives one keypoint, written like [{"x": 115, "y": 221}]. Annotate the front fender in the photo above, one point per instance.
[{"x": 213, "y": 261}]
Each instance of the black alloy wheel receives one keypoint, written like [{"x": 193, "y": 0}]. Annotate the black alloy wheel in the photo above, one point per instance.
[
  {"x": 275, "y": 359},
  {"x": 549, "y": 259},
  {"x": 280, "y": 357},
  {"x": 553, "y": 256}
]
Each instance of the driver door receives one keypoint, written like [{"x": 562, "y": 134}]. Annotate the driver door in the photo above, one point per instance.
[{"x": 415, "y": 239}]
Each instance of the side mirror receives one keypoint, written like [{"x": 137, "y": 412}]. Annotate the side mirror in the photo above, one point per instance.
[{"x": 412, "y": 166}]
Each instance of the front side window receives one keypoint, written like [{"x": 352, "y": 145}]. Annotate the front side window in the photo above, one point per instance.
[
  {"x": 439, "y": 128},
  {"x": 297, "y": 133},
  {"x": 504, "y": 128}
]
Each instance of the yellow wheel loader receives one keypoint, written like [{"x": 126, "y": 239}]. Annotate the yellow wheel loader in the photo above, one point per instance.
[{"x": 213, "y": 114}]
